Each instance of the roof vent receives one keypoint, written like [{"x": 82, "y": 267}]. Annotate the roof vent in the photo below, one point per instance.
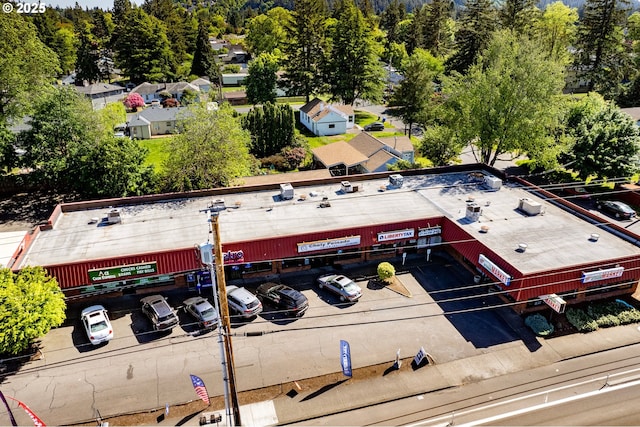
[
  {"x": 594, "y": 237},
  {"x": 522, "y": 247},
  {"x": 473, "y": 212}
]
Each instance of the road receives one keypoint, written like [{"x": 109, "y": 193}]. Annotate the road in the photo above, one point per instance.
[{"x": 591, "y": 390}]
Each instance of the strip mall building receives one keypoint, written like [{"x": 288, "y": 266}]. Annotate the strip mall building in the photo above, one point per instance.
[{"x": 521, "y": 238}]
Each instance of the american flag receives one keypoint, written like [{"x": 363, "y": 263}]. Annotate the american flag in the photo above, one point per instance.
[{"x": 199, "y": 387}]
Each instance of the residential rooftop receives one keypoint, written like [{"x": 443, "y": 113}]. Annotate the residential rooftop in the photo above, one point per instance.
[{"x": 555, "y": 238}]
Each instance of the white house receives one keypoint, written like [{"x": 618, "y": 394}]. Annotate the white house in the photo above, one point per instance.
[
  {"x": 101, "y": 94},
  {"x": 151, "y": 91},
  {"x": 327, "y": 119}
]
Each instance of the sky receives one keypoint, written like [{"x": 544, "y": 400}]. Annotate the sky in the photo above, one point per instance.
[{"x": 102, "y": 4}]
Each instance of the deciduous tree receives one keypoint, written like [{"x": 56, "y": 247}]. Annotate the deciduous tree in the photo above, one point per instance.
[
  {"x": 508, "y": 100},
  {"x": 27, "y": 66},
  {"x": 262, "y": 79},
  {"x": 133, "y": 101},
  {"x": 210, "y": 150},
  {"x": 606, "y": 140},
  {"x": 31, "y": 303},
  {"x": 556, "y": 30},
  {"x": 267, "y": 32}
]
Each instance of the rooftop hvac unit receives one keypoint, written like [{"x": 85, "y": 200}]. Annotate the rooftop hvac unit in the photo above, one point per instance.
[
  {"x": 347, "y": 187},
  {"x": 530, "y": 207},
  {"x": 286, "y": 191},
  {"x": 473, "y": 212},
  {"x": 492, "y": 182},
  {"x": 113, "y": 216},
  {"x": 396, "y": 180}
]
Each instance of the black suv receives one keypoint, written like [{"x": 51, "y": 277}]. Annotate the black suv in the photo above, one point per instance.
[
  {"x": 159, "y": 312},
  {"x": 284, "y": 298}
]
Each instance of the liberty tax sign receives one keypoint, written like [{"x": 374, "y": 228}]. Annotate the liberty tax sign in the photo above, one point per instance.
[{"x": 396, "y": 235}]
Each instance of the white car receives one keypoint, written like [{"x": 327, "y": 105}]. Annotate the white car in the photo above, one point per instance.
[
  {"x": 340, "y": 285},
  {"x": 202, "y": 310},
  {"x": 243, "y": 302},
  {"x": 96, "y": 324}
]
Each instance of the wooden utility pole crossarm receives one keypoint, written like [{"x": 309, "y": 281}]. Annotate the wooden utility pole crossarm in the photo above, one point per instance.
[{"x": 226, "y": 320}]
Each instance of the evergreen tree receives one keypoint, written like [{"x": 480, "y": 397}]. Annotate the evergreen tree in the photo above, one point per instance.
[
  {"x": 204, "y": 59},
  {"x": 413, "y": 97},
  {"x": 307, "y": 48},
  {"x": 415, "y": 35},
  {"x": 142, "y": 48},
  {"x": 353, "y": 67},
  {"x": 438, "y": 34},
  {"x": 272, "y": 128},
  {"x": 518, "y": 15},
  {"x": 600, "y": 42},
  {"x": 262, "y": 79},
  {"x": 476, "y": 25},
  {"x": 390, "y": 20},
  {"x": 87, "y": 68}
]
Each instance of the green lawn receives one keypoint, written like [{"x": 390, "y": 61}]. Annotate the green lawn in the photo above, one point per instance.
[{"x": 158, "y": 151}]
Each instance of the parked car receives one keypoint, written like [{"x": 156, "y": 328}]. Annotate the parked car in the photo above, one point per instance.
[
  {"x": 159, "y": 312},
  {"x": 96, "y": 324},
  {"x": 617, "y": 209},
  {"x": 340, "y": 285},
  {"x": 577, "y": 192},
  {"x": 243, "y": 302},
  {"x": 202, "y": 311},
  {"x": 374, "y": 126},
  {"x": 284, "y": 298}
]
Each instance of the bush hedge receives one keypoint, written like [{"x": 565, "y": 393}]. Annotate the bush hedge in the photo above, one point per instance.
[
  {"x": 539, "y": 325},
  {"x": 602, "y": 315}
]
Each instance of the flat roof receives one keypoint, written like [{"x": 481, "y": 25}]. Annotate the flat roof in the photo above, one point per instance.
[{"x": 555, "y": 238}]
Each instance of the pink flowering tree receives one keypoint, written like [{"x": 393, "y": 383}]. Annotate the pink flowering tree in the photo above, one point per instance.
[{"x": 133, "y": 101}]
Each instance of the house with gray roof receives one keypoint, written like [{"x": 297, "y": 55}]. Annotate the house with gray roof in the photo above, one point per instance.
[
  {"x": 151, "y": 91},
  {"x": 102, "y": 94},
  {"x": 154, "y": 121}
]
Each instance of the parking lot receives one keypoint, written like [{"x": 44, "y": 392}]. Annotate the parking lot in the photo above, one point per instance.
[{"x": 140, "y": 369}]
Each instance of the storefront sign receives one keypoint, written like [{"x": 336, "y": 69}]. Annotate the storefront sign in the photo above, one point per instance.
[
  {"x": 320, "y": 245},
  {"x": 122, "y": 272},
  {"x": 608, "y": 273},
  {"x": 396, "y": 235},
  {"x": 495, "y": 270},
  {"x": 554, "y": 301},
  {"x": 431, "y": 231},
  {"x": 233, "y": 257}
]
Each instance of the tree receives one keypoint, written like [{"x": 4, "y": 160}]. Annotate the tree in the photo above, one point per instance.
[
  {"x": 438, "y": 28},
  {"x": 142, "y": 48},
  {"x": 390, "y": 20},
  {"x": 262, "y": 79},
  {"x": 386, "y": 271},
  {"x": 87, "y": 60},
  {"x": 306, "y": 48},
  {"x": 27, "y": 66},
  {"x": 600, "y": 44},
  {"x": 204, "y": 59},
  {"x": 210, "y": 150},
  {"x": 272, "y": 128},
  {"x": 507, "y": 101},
  {"x": 133, "y": 101},
  {"x": 475, "y": 28},
  {"x": 31, "y": 303},
  {"x": 606, "y": 141},
  {"x": 415, "y": 35},
  {"x": 267, "y": 32},
  {"x": 556, "y": 30},
  {"x": 64, "y": 46},
  {"x": 440, "y": 145},
  {"x": 518, "y": 16},
  {"x": 111, "y": 115},
  {"x": 413, "y": 97},
  {"x": 353, "y": 67}
]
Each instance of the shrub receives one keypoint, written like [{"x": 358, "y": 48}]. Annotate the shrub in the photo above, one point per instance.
[
  {"x": 539, "y": 325},
  {"x": 294, "y": 156},
  {"x": 385, "y": 271},
  {"x": 170, "y": 103},
  {"x": 133, "y": 101},
  {"x": 581, "y": 320}
]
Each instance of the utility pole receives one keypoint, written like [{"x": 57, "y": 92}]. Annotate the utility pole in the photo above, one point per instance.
[{"x": 224, "y": 314}]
